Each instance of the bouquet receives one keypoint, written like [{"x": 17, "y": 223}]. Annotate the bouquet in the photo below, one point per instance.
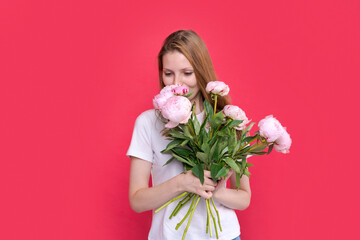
[{"x": 215, "y": 144}]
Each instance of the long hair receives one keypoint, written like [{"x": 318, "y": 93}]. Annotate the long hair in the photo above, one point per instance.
[{"x": 194, "y": 49}]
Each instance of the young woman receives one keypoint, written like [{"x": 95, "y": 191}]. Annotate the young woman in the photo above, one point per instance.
[{"x": 184, "y": 60}]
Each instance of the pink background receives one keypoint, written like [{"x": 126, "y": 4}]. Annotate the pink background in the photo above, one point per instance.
[{"x": 76, "y": 74}]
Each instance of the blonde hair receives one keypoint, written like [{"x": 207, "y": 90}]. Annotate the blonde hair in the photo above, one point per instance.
[{"x": 194, "y": 49}]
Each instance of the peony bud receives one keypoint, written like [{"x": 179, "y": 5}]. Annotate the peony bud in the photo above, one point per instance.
[
  {"x": 180, "y": 90},
  {"x": 218, "y": 88},
  {"x": 283, "y": 143},
  {"x": 165, "y": 93},
  {"x": 177, "y": 109},
  {"x": 236, "y": 113},
  {"x": 270, "y": 128}
]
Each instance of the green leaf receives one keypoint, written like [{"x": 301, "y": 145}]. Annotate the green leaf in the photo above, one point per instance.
[
  {"x": 243, "y": 163},
  {"x": 212, "y": 151},
  {"x": 232, "y": 164},
  {"x": 247, "y": 173},
  {"x": 237, "y": 180},
  {"x": 224, "y": 151},
  {"x": 222, "y": 172},
  {"x": 183, "y": 160},
  {"x": 177, "y": 135},
  {"x": 182, "y": 151},
  {"x": 169, "y": 161},
  {"x": 187, "y": 132},
  {"x": 249, "y": 165},
  {"x": 172, "y": 144},
  {"x": 208, "y": 109},
  {"x": 188, "y": 94},
  {"x": 236, "y": 148},
  {"x": 193, "y": 158},
  {"x": 222, "y": 144},
  {"x": 196, "y": 125},
  {"x": 204, "y": 136},
  {"x": 198, "y": 171},
  {"x": 202, "y": 128},
  {"x": 214, "y": 169},
  {"x": 213, "y": 139},
  {"x": 247, "y": 129},
  {"x": 257, "y": 153},
  {"x": 202, "y": 156},
  {"x": 232, "y": 142},
  {"x": 258, "y": 147},
  {"x": 250, "y": 138},
  {"x": 184, "y": 142},
  {"x": 234, "y": 123},
  {"x": 216, "y": 120},
  {"x": 205, "y": 147},
  {"x": 222, "y": 133}
]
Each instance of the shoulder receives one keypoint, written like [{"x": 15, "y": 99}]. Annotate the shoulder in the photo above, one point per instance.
[
  {"x": 147, "y": 115},
  {"x": 150, "y": 118}
]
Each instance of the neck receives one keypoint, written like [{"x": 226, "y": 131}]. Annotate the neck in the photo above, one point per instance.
[{"x": 199, "y": 105}]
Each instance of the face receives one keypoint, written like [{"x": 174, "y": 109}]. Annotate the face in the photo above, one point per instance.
[{"x": 178, "y": 70}]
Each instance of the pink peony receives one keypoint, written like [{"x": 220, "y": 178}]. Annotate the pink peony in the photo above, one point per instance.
[
  {"x": 218, "y": 88},
  {"x": 180, "y": 90},
  {"x": 236, "y": 113},
  {"x": 177, "y": 109},
  {"x": 165, "y": 93},
  {"x": 270, "y": 128},
  {"x": 283, "y": 143}
]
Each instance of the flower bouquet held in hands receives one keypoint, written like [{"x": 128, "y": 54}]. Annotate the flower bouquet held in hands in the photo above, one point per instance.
[{"x": 214, "y": 144}]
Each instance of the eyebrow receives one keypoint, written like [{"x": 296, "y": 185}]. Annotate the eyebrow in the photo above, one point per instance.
[{"x": 187, "y": 68}]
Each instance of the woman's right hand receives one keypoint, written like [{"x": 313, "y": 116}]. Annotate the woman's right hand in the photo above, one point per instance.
[{"x": 190, "y": 183}]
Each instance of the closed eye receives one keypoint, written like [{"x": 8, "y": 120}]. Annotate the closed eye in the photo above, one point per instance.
[{"x": 188, "y": 73}]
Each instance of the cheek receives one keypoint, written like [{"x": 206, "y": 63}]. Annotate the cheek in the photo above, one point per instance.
[
  {"x": 167, "y": 81},
  {"x": 191, "y": 82}
]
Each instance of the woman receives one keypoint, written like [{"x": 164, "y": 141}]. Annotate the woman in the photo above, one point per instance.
[{"x": 184, "y": 60}]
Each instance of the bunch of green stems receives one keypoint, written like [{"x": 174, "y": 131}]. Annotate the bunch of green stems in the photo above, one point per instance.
[{"x": 194, "y": 198}]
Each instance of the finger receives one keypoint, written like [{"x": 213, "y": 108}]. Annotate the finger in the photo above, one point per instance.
[
  {"x": 209, "y": 181},
  {"x": 231, "y": 172},
  {"x": 209, "y": 188},
  {"x": 207, "y": 173},
  {"x": 205, "y": 194}
]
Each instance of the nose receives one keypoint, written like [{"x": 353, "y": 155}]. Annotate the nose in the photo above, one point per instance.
[{"x": 177, "y": 80}]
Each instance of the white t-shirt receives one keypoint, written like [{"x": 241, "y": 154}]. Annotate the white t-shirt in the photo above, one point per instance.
[{"x": 147, "y": 143}]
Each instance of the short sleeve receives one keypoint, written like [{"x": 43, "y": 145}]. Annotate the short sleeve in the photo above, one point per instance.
[{"x": 140, "y": 145}]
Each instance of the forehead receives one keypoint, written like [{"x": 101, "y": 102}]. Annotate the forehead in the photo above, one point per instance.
[{"x": 175, "y": 60}]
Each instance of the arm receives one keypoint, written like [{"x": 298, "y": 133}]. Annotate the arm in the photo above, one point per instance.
[
  {"x": 143, "y": 198},
  {"x": 231, "y": 197}
]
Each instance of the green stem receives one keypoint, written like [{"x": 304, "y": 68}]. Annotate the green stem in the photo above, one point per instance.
[
  {"x": 217, "y": 213},
  {"x": 193, "y": 133},
  {"x": 215, "y": 104},
  {"x": 181, "y": 204},
  {"x": 192, "y": 130},
  {"x": 211, "y": 133},
  {"x": 187, "y": 214},
  {"x": 172, "y": 200},
  {"x": 207, "y": 218},
  {"x": 178, "y": 206},
  {"x": 245, "y": 146},
  {"x": 212, "y": 216},
  {"x": 208, "y": 213},
  {"x": 192, "y": 213}
]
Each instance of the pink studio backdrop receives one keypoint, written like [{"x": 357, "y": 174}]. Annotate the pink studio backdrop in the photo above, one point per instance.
[{"x": 76, "y": 74}]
